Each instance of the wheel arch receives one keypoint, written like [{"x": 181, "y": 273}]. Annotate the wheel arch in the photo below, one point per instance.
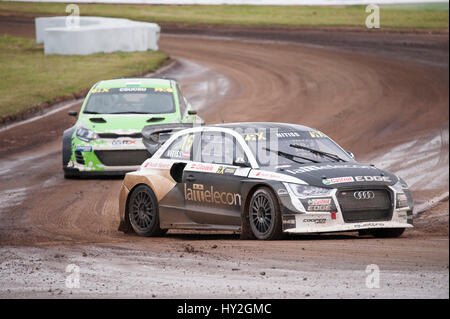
[
  {"x": 249, "y": 187},
  {"x": 157, "y": 182},
  {"x": 67, "y": 148},
  {"x": 125, "y": 223}
]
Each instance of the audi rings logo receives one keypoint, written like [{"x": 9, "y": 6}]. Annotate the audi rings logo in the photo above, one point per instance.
[{"x": 364, "y": 195}]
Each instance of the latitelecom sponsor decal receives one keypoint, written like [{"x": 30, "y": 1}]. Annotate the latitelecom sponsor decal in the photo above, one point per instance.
[
  {"x": 198, "y": 193},
  {"x": 338, "y": 180}
]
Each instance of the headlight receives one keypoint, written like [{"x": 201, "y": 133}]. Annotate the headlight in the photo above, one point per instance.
[
  {"x": 402, "y": 199},
  {"x": 304, "y": 191},
  {"x": 85, "y": 134},
  {"x": 398, "y": 187}
]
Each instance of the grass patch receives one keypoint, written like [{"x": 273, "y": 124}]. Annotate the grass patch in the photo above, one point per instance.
[
  {"x": 28, "y": 77},
  {"x": 428, "y": 16}
]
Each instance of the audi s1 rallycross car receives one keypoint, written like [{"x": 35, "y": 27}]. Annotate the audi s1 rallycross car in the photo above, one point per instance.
[
  {"x": 106, "y": 138},
  {"x": 262, "y": 179}
]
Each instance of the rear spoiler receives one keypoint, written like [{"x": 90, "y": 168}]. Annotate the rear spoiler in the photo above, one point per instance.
[{"x": 153, "y": 136}]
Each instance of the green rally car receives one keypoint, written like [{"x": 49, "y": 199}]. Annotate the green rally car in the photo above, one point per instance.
[{"x": 107, "y": 139}]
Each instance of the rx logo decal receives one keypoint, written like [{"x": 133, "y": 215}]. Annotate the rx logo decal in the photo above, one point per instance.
[{"x": 124, "y": 142}]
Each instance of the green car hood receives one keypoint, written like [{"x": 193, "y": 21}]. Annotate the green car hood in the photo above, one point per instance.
[{"x": 120, "y": 122}]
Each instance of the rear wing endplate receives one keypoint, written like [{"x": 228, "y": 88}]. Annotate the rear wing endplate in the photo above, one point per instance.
[{"x": 153, "y": 136}]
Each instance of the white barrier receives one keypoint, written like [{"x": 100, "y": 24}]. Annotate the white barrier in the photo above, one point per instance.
[{"x": 96, "y": 34}]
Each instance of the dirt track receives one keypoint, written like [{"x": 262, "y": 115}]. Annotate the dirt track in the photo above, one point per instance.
[{"x": 370, "y": 103}]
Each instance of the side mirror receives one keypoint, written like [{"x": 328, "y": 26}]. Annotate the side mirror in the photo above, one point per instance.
[
  {"x": 192, "y": 112},
  {"x": 351, "y": 154},
  {"x": 241, "y": 162},
  {"x": 72, "y": 113}
]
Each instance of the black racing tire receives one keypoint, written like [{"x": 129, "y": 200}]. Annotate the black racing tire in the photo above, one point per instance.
[
  {"x": 67, "y": 154},
  {"x": 386, "y": 232},
  {"x": 264, "y": 215},
  {"x": 143, "y": 212},
  {"x": 71, "y": 174}
]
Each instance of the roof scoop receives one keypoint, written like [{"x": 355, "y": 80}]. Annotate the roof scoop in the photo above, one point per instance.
[{"x": 97, "y": 120}]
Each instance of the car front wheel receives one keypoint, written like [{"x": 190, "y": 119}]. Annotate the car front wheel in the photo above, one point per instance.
[{"x": 265, "y": 215}]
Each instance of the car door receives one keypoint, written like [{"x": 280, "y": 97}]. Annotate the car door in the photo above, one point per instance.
[
  {"x": 212, "y": 181},
  {"x": 172, "y": 206}
]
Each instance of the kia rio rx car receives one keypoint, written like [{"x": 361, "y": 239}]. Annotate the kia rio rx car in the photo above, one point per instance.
[
  {"x": 262, "y": 179},
  {"x": 106, "y": 138}
]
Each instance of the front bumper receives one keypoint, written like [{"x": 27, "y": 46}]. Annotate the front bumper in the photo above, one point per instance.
[
  {"x": 324, "y": 223},
  {"x": 296, "y": 219},
  {"x": 107, "y": 156}
]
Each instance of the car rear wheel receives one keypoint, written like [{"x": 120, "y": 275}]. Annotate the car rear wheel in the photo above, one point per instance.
[
  {"x": 143, "y": 212},
  {"x": 265, "y": 215},
  {"x": 386, "y": 232}
]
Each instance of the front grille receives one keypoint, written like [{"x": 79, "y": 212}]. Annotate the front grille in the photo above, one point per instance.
[
  {"x": 114, "y": 135},
  {"x": 122, "y": 157},
  {"x": 79, "y": 157},
  {"x": 378, "y": 208}
]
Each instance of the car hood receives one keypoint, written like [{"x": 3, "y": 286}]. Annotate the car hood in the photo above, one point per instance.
[
  {"x": 119, "y": 122},
  {"x": 338, "y": 174}
]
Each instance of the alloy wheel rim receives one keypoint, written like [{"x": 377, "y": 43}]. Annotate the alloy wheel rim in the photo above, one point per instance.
[
  {"x": 142, "y": 211},
  {"x": 261, "y": 213}
]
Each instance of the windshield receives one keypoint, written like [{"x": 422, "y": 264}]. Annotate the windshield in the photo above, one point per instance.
[
  {"x": 276, "y": 148},
  {"x": 130, "y": 100}
]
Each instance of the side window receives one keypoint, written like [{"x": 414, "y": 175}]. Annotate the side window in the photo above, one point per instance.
[
  {"x": 220, "y": 148},
  {"x": 181, "y": 100},
  {"x": 180, "y": 148}
]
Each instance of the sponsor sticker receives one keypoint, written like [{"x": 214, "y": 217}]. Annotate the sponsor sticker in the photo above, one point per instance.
[
  {"x": 368, "y": 225},
  {"x": 202, "y": 167},
  {"x": 287, "y": 134},
  {"x": 315, "y": 220},
  {"x": 226, "y": 170},
  {"x": 319, "y": 208},
  {"x": 312, "y": 168},
  {"x": 372, "y": 179},
  {"x": 123, "y": 142},
  {"x": 168, "y": 90},
  {"x": 100, "y": 91},
  {"x": 338, "y": 180},
  {"x": 198, "y": 193},
  {"x": 254, "y": 137},
  {"x": 157, "y": 165},
  {"x": 83, "y": 148},
  {"x": 319, "y": 201},
  {"x": 262, "y": 174},
  {"x": 132, "y": 89},
  {"x": 178, "y": 154},
  {"x": 316, "y": 134}
]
